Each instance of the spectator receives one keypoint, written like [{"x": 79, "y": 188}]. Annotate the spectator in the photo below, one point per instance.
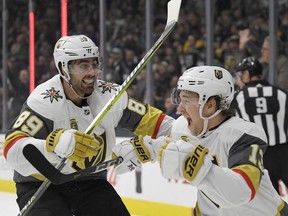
[
  {"x": 229, "y": 54},
  {"x": 130, "y": 60},
  {"x": 170, "y": 108},
  {"x": 284, "y": 30},
  {"x": 191, "y": 52},
  {"x": 41, "y": 69},
  {"x": 132, "y": 42},
  {"x": 20, "y": 85},
  {"x": 19, "y": 49},
  {"x": 116, "y": 68},
  {"x": 161, "y": 83},
  {"x": 281, "y": 65},
  {"x": 140, "y": 86}
]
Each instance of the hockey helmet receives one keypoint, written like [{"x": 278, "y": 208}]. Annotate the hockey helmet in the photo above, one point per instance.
[
  {"x": 70, "y": 48},
  {"x": 251, "y": 64},
  {"x": 207, "y": 81}
]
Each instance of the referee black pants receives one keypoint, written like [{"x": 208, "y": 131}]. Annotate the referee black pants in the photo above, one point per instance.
[{"x": 276, "y": 162}]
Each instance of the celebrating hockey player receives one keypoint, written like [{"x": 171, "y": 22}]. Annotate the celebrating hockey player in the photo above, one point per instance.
[
  {"x": 54, "y": 118},
  {"x": 219, "y": 153}
]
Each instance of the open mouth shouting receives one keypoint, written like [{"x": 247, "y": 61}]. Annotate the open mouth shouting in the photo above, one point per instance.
[{"x": 88, "y": 82}]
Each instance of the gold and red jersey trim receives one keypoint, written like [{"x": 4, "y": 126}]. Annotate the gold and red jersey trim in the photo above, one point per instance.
[
  {"x": 11, "y": 139},
  {"x": 251, "y": 175},
  {"x": 151, "y": 122}
]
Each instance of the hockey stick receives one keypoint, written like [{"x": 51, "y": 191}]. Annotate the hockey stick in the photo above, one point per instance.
[
  {"x": 57, "y": 177},
  {"x": 172, "y": 18}
]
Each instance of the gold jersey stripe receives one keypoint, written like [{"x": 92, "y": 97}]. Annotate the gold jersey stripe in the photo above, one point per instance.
[
  {"x": 148, "y": 123},
  {"x": 13, "y": 136},
  {"x": 251, "y": 174},
  {"x": 11, "y": 139}
]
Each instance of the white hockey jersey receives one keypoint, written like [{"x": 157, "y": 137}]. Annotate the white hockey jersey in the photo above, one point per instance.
[
  {"x": 233, "y": 186},
  {"x": 47, "y": 109}
]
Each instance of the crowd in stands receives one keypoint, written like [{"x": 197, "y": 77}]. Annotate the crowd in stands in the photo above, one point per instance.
[{"x": 240, "y": 26}]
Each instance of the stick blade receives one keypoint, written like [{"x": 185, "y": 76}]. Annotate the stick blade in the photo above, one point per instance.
[
  {"x": 35, "y": 157},
  {"x": 173, "y": 8}
]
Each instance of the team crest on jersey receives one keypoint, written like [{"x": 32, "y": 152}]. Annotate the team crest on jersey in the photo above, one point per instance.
[
  {"x": 185, "y": 138},
  {"x": 52, "y": 94},
  {"x": 74, "y": 124},
  {"x": 107, "y": 86},
  {"x": 218, "y": 74}
]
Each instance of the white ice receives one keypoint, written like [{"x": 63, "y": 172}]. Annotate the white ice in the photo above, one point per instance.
[{"x": 8, "y": 206}]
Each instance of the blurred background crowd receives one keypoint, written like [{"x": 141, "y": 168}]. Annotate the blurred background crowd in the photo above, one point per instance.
[{"x": 240, "y": 26}]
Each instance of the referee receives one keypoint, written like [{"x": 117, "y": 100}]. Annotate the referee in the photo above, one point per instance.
[{"x": 266, "y": 105}]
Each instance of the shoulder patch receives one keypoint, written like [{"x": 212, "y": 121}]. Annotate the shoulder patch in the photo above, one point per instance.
[
  {"x": 107, "y": 86},
  {"x": 52, "y": 94}
]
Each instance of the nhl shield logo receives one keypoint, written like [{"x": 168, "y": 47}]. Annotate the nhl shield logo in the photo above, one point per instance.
[{"x": 218, "y": 74}]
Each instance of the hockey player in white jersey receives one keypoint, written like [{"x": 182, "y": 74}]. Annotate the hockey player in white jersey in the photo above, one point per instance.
[
  {"x": 54, "y": 118},
  {"x": 219, "y": 153}
]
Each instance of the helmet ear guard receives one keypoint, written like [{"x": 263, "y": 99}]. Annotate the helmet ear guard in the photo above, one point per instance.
[{"x": 60, "y": 70}]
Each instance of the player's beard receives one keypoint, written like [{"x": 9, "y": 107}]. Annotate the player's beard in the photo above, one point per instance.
[{"x": 82, "y": 87}]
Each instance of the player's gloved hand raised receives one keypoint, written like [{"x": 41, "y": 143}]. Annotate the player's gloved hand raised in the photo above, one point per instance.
[
  {"x": 136, "y": 151},
  {"x": 182, "y": 160},
  {"x": 73, "y": 145}
]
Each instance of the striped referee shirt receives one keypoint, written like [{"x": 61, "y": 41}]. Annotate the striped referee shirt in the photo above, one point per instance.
[{"x": 267, "y": 106}]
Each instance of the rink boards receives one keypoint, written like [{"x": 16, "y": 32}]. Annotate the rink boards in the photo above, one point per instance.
[{"x": 151, "y": 195}]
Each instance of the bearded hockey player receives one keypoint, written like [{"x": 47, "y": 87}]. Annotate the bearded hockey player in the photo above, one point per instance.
[{"x": 54, "y": 118}]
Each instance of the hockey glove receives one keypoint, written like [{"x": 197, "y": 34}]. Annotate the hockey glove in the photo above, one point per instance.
[
  {"x": 73, "y": 145},
  {"x": 183, "y": 160},
  {"x": 136, "y": 151}
]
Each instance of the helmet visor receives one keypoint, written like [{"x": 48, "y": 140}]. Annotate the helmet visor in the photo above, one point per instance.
[{"x": 84, "y": 66}]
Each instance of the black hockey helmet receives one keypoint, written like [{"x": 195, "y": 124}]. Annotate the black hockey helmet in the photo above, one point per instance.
[{"x": 251, "y": 64}]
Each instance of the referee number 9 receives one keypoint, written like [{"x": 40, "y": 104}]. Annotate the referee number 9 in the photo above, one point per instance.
[{"x": 261, "y": 104}]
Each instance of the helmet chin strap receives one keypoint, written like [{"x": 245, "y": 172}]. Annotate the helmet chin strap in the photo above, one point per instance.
[
  {"x": 206, "y": 119},
  {"x": 70, "y": 85},
  {"x": 76, "y": 92}
]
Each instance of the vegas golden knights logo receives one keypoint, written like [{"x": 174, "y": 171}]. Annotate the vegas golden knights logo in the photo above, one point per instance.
[
  {"x": 73, "y": 124},
  {"x": 185, "y": 138},
  {"x": 218, "y": 74}
]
